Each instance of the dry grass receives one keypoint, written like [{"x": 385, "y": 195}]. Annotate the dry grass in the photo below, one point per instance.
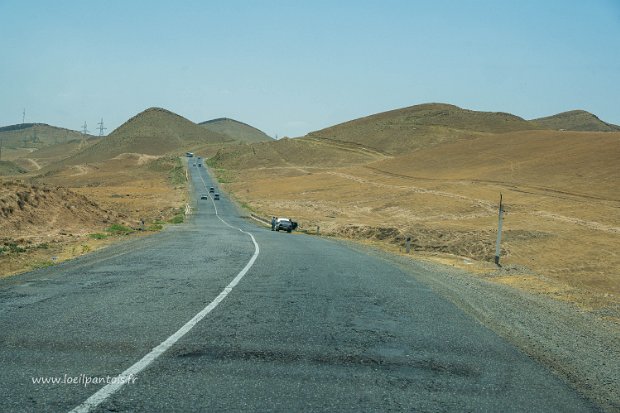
[
  {"x": 561, "y": 231},
  {"x": 70, "y": 220}
]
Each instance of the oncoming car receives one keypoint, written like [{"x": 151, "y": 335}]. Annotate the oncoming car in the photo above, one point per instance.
[
  {"x": 203, "y": 196},
  {"x": 216, "y": 197}
]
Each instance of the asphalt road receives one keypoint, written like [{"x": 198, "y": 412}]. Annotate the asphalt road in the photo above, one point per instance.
[{"x": 311, "y": 326}]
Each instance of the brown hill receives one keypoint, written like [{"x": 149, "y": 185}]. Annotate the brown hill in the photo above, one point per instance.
[
  {"x": 236, "y": 130},
  {"x": 37, "y": 135},
  {"x": 295, "y": 154},
  {"x": 421, "y": 126},
  {"x": 583, "y": 164},
  {"x": 154, "y": 131},
  {"x": 575, "y": 120}
]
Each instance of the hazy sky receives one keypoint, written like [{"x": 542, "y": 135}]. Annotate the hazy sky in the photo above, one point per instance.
[{"x": 291, "y": 67}]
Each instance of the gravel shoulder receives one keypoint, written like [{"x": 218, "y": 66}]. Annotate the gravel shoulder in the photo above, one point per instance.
[{"x": 580, "y": 347}]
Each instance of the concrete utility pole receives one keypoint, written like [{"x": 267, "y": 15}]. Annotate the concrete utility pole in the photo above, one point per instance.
[
  {"x": 499, "y": 231},
  {"x": 24, "y": 116},
  {"x": 101, "y": 127}
]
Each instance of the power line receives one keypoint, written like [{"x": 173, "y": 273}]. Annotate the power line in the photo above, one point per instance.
[{"x": 101, "y": 127}]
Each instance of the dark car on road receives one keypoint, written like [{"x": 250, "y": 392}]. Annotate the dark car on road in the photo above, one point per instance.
[
  {"x": 211, "y": 189},
  {"x": 216, "y": 196},
  {"x": 204, "y": 196},
  {"x": 285, "y": 224}
]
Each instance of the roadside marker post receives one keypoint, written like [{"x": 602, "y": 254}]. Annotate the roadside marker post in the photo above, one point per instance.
[
  {"x": 499, "y": 231},
  {"x": 408, "y": 245}
]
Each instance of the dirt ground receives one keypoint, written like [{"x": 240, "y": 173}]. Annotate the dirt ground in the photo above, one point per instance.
[{"x": 81, "y": 208}]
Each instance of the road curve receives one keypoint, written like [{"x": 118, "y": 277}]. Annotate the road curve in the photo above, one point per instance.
[{"x": 312, "y": 326}]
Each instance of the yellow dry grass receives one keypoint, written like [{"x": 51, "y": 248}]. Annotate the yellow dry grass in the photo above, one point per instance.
[{"x": 561, "y": 231}]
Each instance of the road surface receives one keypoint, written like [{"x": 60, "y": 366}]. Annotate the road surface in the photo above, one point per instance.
[{"x": 307, "y": 324}]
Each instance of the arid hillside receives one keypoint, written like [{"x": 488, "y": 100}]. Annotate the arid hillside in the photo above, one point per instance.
[
  {"x": 575, "y": 120},
  {"x": 8, "y": 168},
  {"x": 38, "y": 135},
  {"x": 43, "y": 224},
  {"x": 432, "y": 124},
  {"x": 441, "y": 188},
  {"x": 236, "y": 130},
  {"x": 153, "y": 132}
]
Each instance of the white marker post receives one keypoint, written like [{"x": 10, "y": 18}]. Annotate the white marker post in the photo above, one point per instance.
[{"x": 499, "y": 231}]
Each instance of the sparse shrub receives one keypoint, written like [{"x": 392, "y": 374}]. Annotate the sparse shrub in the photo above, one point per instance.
[
  {"x": 177, "y": 219},
  {"x": 13, "y": 248},
  {"x": 155, "y": 227},
  {"x": 118, "y": 229},
  {"x": 98, "y": 236},
  {"x": 42, "y": 264}
]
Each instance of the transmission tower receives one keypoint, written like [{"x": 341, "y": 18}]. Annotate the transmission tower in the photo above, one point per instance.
[
  {"x": 34, "y": 138},
  {"x": 101, "y": 127},
  {"x": 84, "y": 129}
]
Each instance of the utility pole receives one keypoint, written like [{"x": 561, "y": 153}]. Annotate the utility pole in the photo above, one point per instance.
[
  {"x": 1, "y": 148},
  {"x": 24, "y": 116},
  {"x": 499, "y": 231},
  {"x": 101, "y": 127}
]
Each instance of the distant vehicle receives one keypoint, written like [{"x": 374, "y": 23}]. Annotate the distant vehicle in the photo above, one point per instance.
[
  {"x": 212, "y": 189},
  {"x": 285, "y": 224},
  {"x": 216, "y": 197},
  {"x": 194, "y": 164},
  {"x": 204, "y": 196},
  {"x": 199, "y": 165},
  {"x": 189, "y": 154}
]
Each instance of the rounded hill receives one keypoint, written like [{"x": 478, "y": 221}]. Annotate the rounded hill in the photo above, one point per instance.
[
  {"x": 239, "y": 131},
  {"x": 155, "y": 131},
  {"x": 420, "y": 126},
  {"x": 575, "y": 120}
]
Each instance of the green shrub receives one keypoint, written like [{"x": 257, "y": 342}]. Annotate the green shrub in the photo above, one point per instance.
[
  {"x": 177, "y": 219},
  {"x": 98, "y": 236},
  {"x": 155, "y": 227},
  {"x": 42, "y": 264},
  {"x": 118, "y": 229}
]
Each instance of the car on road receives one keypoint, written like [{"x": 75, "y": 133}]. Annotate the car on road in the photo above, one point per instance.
[
  {"x": 204, "y": 196},
  {"x": 212, "y": 189},
  {"x": 199, "y": 165},
  {"x": 216, "y": 197},
  {"x": 285, "y": 224}
]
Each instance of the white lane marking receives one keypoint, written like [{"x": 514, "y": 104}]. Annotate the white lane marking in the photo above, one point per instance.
[{"x": 125, "y": 377}]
